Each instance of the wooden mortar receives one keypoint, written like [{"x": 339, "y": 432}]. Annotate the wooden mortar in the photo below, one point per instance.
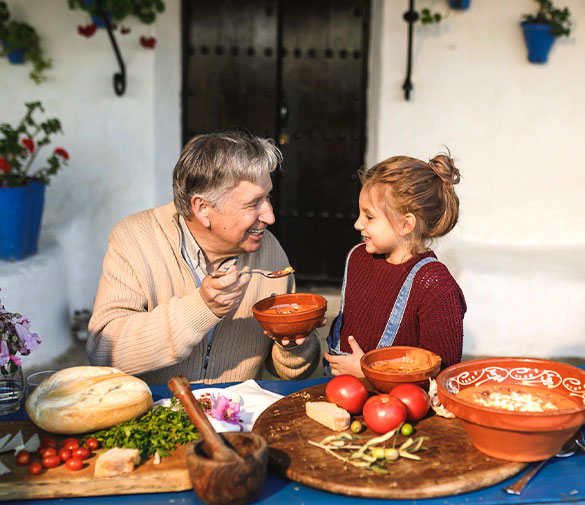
[{"x": 224, "y": 470}]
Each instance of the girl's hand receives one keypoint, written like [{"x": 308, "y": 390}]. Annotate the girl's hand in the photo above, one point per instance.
[{"x": 347, "y": 364}]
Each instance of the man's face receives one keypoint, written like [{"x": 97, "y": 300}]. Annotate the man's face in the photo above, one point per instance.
[{"x": 239, "y": 227}]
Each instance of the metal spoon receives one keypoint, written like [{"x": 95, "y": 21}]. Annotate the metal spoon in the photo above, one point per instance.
[
  {"x": 567, "y": 450},
  {"x": 272, "y": 275}
]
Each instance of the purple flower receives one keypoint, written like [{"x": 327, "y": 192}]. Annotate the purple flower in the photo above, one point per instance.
[
  {"x": 223, "y": 409},
  {"x": 4, "y": 353},
  {"x": 29, "y": 341}
]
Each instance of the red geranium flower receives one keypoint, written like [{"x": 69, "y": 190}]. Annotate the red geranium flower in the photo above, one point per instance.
[
  {"x": 87, "y": 30},
  {"x": 4, "y": 166},
  {"x": 124, "y": 30},
  {"x": 29, "y": 144},
  {"x": 148, "y": 42},
  {"x": 62, "y": 152}
]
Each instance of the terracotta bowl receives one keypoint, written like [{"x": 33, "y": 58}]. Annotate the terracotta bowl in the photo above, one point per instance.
[
  {"x": 515, "y": 435},
  {"x": 419, "y": 365},
  {"x": 291, "y": 315}
]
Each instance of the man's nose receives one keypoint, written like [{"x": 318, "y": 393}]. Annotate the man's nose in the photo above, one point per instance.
[{"x": 266, "y": 214}]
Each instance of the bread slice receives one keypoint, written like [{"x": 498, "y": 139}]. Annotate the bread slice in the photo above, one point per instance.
[
  {"x": 328, "y": 414},
  {"x": 116, "y": 461}
]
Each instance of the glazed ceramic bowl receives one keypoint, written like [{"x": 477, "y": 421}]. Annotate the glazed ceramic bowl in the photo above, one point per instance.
[
  {"x": 515, "y": 435},
  {"x": 409, "y": 365},
  {"x": 290, "y": 315}
]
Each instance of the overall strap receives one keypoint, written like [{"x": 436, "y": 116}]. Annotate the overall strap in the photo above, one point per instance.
[{"x": 397, "y": 313}]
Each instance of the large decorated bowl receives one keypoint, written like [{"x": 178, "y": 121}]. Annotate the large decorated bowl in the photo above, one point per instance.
[{"x": 516, "y": 409}]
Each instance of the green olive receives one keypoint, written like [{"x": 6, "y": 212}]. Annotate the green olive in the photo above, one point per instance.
[
  {"x": 406, "y": 429},
  {"x": 356, "y": 426}
]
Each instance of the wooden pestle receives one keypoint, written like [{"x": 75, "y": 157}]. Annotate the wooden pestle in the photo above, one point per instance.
[{"x": 180, "y": 387}]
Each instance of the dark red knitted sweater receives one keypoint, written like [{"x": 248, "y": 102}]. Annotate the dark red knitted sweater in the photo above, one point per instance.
[{"x": 433, "y": 318}]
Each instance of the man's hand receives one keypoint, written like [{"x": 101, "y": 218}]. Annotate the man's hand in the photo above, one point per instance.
[
  {"x": 223, "y": 294},
  {"x": 347, "y": 364},
  {"x": 299, "y": 340}
]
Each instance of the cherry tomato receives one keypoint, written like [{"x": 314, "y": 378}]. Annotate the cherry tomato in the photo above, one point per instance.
[
  {"x": 64, "y": 454},
  {"x": 35, "y": 468},
  {"x": 347, "y": 392},
  {"x": 70, "y": 443},
  {"x": 415, "y": 398},
  {"x": 81, "y": 453},
  {"x": 74, "y": 464},
  {"x": 383, "y": 413},
  {"x": 92, "y": 444},
  {"x": 23, "y": 458},
  {"x": 48, "y": 442},
  {"x": 51, "y": 461},
  {"x": 406, "y": 429},
  {"x": 47, "y": 451}
]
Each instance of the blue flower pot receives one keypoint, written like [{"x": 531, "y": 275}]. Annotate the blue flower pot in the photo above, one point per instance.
[
  {"x": 15, "y": 56},
  {"x": 99, "y": 21},
  {"x": 21, "y": 212},
  {"x": 539, "y": 40},
  {"x": 459, "y": 4}
]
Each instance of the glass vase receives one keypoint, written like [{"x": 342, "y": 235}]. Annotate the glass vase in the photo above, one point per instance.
[{"x": 11, "y": 391}]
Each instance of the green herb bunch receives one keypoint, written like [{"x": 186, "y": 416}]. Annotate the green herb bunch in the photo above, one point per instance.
[
  {"x": 160, "y": 430},
  {"x": 558, "y": 19},
  {"x": 16, "y": 35}
]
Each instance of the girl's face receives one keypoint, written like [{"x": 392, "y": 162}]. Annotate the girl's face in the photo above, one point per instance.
[{"x": 377, "y": 231}]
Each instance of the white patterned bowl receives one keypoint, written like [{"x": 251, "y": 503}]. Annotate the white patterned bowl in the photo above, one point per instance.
[{"x": 511, "y": 434}]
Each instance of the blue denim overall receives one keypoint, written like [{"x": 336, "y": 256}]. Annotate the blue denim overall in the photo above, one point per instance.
[{"x": 393, "y": 324}]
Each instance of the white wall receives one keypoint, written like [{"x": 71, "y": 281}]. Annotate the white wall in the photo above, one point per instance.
[{"x": 514, "y": 128}]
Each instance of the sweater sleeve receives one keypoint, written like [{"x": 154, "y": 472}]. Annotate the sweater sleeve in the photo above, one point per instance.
[{"x": 129, "y": 329}]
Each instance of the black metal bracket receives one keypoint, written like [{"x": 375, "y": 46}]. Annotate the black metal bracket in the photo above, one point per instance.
[
  {"x": 119, "y": 77},
  {"x": 411, "y": 17}
]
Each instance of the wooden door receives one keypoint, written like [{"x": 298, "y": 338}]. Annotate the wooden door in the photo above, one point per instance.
[{"x": 293, "y": 70}]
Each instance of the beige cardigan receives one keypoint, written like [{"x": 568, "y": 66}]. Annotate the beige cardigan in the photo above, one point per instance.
[{"x": 149, "y": 318}]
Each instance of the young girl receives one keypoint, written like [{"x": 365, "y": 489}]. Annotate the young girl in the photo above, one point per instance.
[{"x": 395, "y": 291}]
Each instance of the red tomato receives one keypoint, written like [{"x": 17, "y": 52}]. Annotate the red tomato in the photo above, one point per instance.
[
  {"x": 383, "y": 413},
  {"x": 347, "y": 392},
  {"x": 23, "y": 458},
  {"x": 64, "y": 454},
  {"x": 35, "y": 468},
  {"x": 81, "y": 453},
  {"x": 74, "y": 464},
  {"x": 415, "y": 398},
  {"x": 70, "y": 443},
  {"x": 46, "y": 451},
  {"x": 51, "y": 461},
  {"x": 92, "y": 444},
  {"x": 48, "y": 442}
]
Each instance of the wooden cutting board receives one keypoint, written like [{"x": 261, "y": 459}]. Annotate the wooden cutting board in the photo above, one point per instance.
[
  {"x": 170, "y": 475},
  {"x": 450, "y": 464}
]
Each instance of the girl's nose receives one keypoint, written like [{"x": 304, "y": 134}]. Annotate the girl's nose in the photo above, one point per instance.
[{"x": 358, "y": 226}]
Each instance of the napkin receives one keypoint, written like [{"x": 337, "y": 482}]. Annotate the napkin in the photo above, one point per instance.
[{"x": 255, "y": 400}]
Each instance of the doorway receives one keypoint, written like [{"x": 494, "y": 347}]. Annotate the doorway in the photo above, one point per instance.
[{"x": 294, "y": 71}]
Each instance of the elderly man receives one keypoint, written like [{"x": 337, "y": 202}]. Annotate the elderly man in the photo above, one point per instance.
[{"x": 158, "y": 313}]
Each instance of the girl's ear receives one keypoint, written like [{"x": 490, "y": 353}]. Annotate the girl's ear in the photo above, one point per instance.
[
  {"x": 200, "y": 210},
  {"x": 407, "y": 225}
]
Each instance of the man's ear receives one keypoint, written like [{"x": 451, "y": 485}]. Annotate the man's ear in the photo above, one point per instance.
[
  {"x": 200, "y": 210},
  {"x": 407, "y": 225}
]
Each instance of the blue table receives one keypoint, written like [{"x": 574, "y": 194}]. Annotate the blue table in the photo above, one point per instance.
[{"x": 560, "y": 481}]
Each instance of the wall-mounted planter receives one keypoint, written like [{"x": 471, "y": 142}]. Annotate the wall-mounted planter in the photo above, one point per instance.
[
  {"x": 99, "y": 21},
  {"x": 21, "y": 212},
  {"x": 539, "y": 39},
  {"x": 459, "y": 4},
  {"x": 16, "y": 56}
]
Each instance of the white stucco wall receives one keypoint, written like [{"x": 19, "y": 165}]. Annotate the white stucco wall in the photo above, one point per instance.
[{"x": 514, "y": 128}]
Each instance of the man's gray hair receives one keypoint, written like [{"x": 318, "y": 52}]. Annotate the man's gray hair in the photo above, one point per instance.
[{"x": 211, "y": 165}]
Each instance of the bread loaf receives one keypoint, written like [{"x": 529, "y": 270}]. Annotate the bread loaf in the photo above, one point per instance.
[
  {"x": 116, "y": 461},
  {"x": 87, "y": 398},
  {"x": 328, "y": 414}
]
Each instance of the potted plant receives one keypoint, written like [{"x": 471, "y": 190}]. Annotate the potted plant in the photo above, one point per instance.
[
  {"x": 541, "y": 29},
  {"x": 15, "y": 338},
  {"x": 21, "y": 43},
  {"x": 22, "y": 182}
]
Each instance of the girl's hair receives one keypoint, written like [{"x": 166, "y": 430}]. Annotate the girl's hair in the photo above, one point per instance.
[
  {"x": 403, "y": 184},
  {"x": 212, "y": 165}
]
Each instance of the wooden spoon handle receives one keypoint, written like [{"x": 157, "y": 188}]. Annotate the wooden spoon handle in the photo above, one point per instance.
[{"x": 180, "y": 387}]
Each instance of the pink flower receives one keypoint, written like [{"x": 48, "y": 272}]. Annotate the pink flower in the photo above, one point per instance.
[
  {"x": 16, "y": 360},
  {"x": 29, "y": 144},
  {"x": 223, "y": 409},
  {"x": 62, "y": 152},
  {"x": 4, "y": 166}
]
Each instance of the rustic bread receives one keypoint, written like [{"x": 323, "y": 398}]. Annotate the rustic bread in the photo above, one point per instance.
[
  {"x": 87, "y": 398},
  {"x": 328, "y": 414},
  {"x": 116, "y": 461}
]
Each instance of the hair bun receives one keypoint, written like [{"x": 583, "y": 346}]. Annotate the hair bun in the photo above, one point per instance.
[{"x": 444, "y": 166}]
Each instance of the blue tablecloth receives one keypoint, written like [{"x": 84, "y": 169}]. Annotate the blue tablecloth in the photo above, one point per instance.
[{"x": 560, "y": 481}]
